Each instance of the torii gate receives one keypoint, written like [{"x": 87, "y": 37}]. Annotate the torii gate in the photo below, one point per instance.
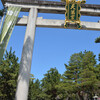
[{"x": 32, "y": 21}]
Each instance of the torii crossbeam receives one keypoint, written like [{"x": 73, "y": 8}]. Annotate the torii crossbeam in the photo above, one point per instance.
[{"x": 32, "y": 21}]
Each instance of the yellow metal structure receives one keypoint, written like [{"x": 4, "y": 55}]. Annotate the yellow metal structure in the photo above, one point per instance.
[{"x": 72, "y": 13}]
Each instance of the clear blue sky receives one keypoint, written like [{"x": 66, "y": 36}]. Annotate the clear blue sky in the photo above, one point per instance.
[{"x": 53, "y": 47}]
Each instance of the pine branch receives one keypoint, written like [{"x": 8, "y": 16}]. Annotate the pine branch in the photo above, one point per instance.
[{"x": 97, "y": 40}]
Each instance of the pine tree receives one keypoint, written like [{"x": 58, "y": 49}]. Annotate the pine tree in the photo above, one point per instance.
[
  {"x": 34, "y": 90},
  {"x": 97, "y": 40},
  {"x": 49, "y": 82},
  {"x": 87, "y": 76},
  {"x": 8, "y": 76},
  {"x": 1, "y": 13},
  {"x": 80, "y": 73}
]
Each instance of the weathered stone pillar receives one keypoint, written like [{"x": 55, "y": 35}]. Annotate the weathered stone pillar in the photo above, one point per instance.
[{"x": 25, "y": 64}]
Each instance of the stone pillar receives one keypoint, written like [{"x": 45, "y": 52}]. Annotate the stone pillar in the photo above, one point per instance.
[{"x": 25, "y": 64}]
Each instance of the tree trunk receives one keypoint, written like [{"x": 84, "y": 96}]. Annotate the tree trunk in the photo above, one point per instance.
[
  {"x": 85, "y": 96},
  {"x": 67, "y": 98},
  {"x": 79, "y": 96}
]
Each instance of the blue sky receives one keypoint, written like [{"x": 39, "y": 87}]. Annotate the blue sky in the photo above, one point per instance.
[{"x": 53, "y": 47}]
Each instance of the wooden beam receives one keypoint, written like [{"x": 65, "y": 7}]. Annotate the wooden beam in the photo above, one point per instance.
[{"x": 59, "y": 24}]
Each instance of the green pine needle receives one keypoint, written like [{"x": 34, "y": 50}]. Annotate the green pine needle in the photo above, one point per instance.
[{"x": 97, "y": 40}]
